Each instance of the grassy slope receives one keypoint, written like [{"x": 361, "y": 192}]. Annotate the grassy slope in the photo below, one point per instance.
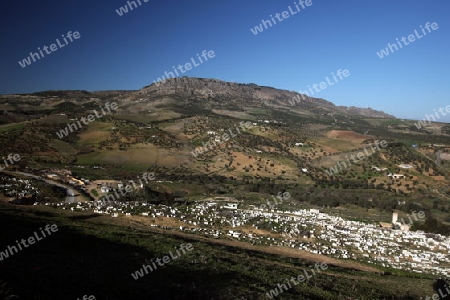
[{"x": 95, "y": 256}]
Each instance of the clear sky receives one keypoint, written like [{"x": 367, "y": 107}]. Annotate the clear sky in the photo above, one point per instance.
[{"x": 131, "y": 51}]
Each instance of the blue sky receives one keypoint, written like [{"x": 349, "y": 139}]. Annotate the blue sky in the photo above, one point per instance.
[{"x": 131, "y": 51}]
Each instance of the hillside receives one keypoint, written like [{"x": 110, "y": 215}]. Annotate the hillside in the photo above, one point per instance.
[{"x": 208, "y": 141}]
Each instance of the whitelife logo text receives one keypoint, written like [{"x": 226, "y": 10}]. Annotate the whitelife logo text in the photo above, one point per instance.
[
  {"x": 31, "y": 240},
  {"x": 411, "y": 38},
  {"x": 284, "y": 15},
  {"x": 91, "y": 118},
  {"x": 187, "y": 67},
  {"x": 71, "y": 36},
  {"x": 124, "y": 9},
  {"x": 166, "y": 259},
  {"x": 319, "y": 87},
  {"x": 11, "y": 158},
  {"x": 359, "y": 155}
]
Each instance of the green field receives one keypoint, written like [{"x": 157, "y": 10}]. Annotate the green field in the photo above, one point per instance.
[{"x": 9, "y": 127}]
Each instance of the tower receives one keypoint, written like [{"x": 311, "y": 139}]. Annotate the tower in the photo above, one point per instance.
[{"x": 394, "y": 217}]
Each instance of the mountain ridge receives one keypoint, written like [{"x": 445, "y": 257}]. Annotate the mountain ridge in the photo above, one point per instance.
[
  {"x": 208, "y": 88},
  {"x": 202, "y": 94}
]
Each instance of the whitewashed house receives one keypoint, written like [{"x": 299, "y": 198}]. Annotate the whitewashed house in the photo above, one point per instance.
[
  {"x": 231, "y": 206},
  {"x": 396, "y": 176},
  {"x": 105, "y": 189}
]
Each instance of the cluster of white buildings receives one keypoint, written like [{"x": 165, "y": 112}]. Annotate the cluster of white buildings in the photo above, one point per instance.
[
  {"x": 308, "y": 230},
  {"x": 16, "y": 187}
]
